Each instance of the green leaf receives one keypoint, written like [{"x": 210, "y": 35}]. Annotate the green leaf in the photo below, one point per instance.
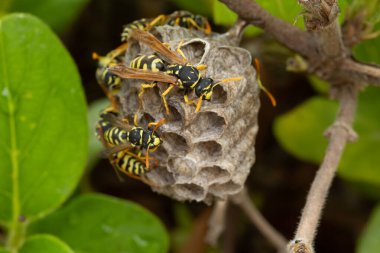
[
  {"x": 44, "y": 244},
  {"x": 300, "y": 132},
  {"x": 368, "y": 51},
  {"x": 222, "y": 14},
  {"x": 319, "y": 85},
  {"x": 369, "y": 241},
  {"x": 97, "y": 223},
  {"x": 359, "y": 158},
  {"x": 95, "y": 145},
  {"x": 42, "y": 120},
  {"x": 287, "y": 10},
  {"x": 57, "y": 13},
  {"x": 4, "y": 251}
]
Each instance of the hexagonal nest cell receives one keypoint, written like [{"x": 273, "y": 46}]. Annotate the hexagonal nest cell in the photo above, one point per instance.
[{"x": 205, "y": 155}]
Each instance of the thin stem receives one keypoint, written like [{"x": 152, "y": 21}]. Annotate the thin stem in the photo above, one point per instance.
[
  {"x": 339, "y": 134},
  {"x": 362, "y": 72},
  {"x": 216, "y": 223},
  {"x": 242, "y": 199}
]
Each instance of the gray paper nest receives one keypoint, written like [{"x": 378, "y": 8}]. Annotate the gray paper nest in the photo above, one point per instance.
[{"x": 204, "y": 155}]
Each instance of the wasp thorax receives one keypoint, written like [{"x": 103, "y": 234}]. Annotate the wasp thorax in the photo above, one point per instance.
[
  {"x": 187, "y": 75},
  {"x": 205, "y": 155}
]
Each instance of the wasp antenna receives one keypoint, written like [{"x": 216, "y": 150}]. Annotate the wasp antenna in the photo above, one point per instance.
[
  {"x": 159, "y": 123},
  {"x": 226, "y": 80},
  {"x": 262, "y": 87}
]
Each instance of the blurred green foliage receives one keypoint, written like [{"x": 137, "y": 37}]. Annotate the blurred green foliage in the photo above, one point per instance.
[
  {"x": 44, "y": 110},
  {"x": 369, "y": 241},
  {"x": 58, "y": 14},
  {"x": 96, "y": 224},
  {"x": 44, "y": 243},
  {"x": 300, "y": 132},
  {"x": 94, "y": 145}
]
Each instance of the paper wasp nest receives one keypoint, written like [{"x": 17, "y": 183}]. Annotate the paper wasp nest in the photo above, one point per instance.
[{"x": 204, "y": 155}]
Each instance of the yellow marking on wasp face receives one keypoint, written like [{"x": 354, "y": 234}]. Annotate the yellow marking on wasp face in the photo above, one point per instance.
[{"x": 156, "y": 141}]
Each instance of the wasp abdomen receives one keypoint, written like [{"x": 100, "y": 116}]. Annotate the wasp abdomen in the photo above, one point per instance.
[
  {"x": 148, "y": 62},
  {"x": 130, "y": 165}
]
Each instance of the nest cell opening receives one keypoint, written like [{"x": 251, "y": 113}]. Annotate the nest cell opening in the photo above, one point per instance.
[
  {"x": 208, "y": 149},
  {"x": 193, "y": 190},
  {"x": 214, "y": 174},
  {"x": 175, "y": 143},
  {"x": 207, "y": 125}
]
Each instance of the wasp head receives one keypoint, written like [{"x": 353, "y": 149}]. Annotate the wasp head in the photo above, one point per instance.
[
  {"x": 205, "y": 88},
  {"x": 154, "y": 141}
]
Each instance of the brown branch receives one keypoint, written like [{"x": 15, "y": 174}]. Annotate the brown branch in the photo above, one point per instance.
[
  {"x": 242, "y": 199},
  {"x": 362, "y": 72},
  {"x": 216, "y": 223},
  {"x": 321, "y": 20},
  {"x": 292, "y": 37},
  {"x": 321, "y": 45},
  {"x": 339, "y": 134}
]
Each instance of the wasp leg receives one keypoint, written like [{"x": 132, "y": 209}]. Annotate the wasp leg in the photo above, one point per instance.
[
  {"x": 141, "y": 93},
  {"x": 189, "y": 102},
  {"x": 197, "y": 27},
  {"x": 118, "y": 51},
  {"x": 163, "y": 95},
  {"x": 180, "y": 51},
  {"x": 157, "y": 124},
  {"x": 201, "y": 67},
  {"x": 141, "y": 158},
  {"x": 199, "y": 104},
  {"x": 158, "y": 20}
]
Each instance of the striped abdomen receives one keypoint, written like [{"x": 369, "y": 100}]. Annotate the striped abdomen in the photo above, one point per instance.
[
  {"x": 115, "y": 136},
  {"x": 141, "y": 24},
  {"x": 129, "y": 164},
  {"x": 148, "y": 62}
]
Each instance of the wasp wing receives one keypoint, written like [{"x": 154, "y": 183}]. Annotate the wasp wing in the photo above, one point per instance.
[
  {"x": 132, "y": 73},
  {"x": 157, "y": 46},
  {"x": 117, "y": 122},
  {"x": 115, "y": 149}
]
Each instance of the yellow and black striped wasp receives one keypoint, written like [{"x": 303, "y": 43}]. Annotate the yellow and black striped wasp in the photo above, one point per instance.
[
  {"x": 109, "y": 82},
  {"x": 128, "y": 164},
  {"x": 178, "y": 73},
  {"x": 183, "y": 19},
  {"x": 117, "y": 135},
  {"x": 124, "y": 161},
  {"x": 188, "y": 20}
]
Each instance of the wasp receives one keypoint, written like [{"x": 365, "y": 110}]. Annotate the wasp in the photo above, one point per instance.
[
  {"x": 179, "y": 73},
  {"x": 188, "y": 20},
  {"x": 118, "y": 135},
  {"x": 109, "y": 82},
  {"x": 183, "y": 19},
  {"x": 128, "y": 164}
]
